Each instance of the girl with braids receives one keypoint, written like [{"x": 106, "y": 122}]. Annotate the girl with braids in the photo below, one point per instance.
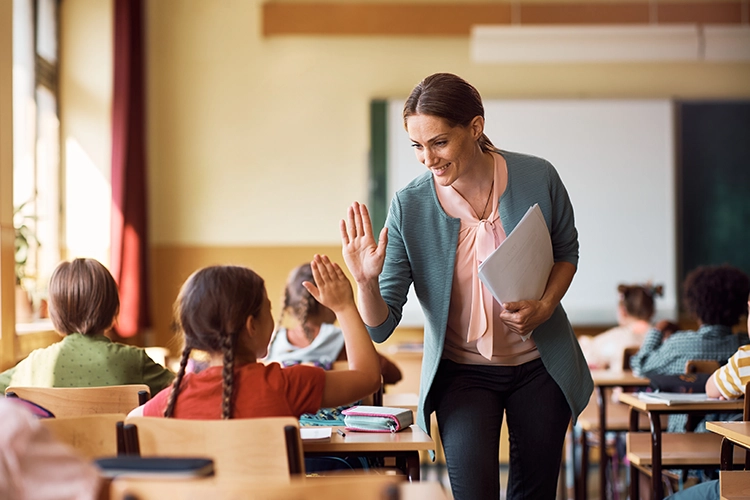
[
  {"x": 225, "y": 311},
  {"x": 634, "y": 312},
  {"x": 314, "y": 338}
]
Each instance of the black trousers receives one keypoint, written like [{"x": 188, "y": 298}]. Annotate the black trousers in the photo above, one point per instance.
[{"x": 470, "y": 401}]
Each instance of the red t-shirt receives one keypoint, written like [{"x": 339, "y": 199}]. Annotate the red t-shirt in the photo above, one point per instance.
[{"x": 259, "y": 391}]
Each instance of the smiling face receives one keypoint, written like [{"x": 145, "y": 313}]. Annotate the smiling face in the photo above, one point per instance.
[{"x": 447, "y": 151}]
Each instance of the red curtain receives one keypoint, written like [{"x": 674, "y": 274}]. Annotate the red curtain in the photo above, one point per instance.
[{"x": 129, "y": 226}]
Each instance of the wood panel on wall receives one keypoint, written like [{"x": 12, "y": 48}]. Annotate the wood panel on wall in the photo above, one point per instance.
[
  {"x": 456, "y": 19},
  {"x": 172, "y": 265}
]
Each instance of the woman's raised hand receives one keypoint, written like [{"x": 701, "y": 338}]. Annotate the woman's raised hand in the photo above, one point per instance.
[{"x": 362, "y": 255}]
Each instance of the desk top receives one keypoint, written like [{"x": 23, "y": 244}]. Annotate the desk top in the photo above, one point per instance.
[
  {"x": 611, "y": 378},
  {"x": 739, "y": 432},
  {"x": 411, "y": 439},
  {"x": 633, "y": 400}
]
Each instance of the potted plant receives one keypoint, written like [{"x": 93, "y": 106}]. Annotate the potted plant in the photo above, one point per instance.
[{"x": 24, "y": 239}]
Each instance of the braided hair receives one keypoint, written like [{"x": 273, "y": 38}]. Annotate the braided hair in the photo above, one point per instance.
[
  {"x": 298, "y": 301},
  {"x": 211, "y": 311}
]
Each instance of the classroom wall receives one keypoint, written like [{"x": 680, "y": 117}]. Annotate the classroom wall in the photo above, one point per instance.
[{"x": 257, "y": 145}]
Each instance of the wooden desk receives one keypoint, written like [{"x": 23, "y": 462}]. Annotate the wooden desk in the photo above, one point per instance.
[
  {"x": 734, "y": 485},
  {"x": 685, "y": 449},
  {"x": 360, "y": 486},
  {"x": 612, "y": 417},
  {"x": 404, "y": 446},
  {"x": 733, "y": 433}
]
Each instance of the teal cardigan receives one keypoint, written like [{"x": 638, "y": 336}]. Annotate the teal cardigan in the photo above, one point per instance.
[{"x": 422, "y": 242}]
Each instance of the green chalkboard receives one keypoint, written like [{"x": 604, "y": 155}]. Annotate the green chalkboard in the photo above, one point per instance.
[{"x": 713, "y": 151}]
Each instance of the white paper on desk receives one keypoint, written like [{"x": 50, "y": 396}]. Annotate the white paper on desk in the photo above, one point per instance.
[
  {"x": 519, "y": 268},
  {"x": 676, "y": 398},
  {"x": 314, "y": 433}
]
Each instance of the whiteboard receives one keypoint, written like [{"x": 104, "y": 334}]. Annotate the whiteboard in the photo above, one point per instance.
[{"x": 616, "y": 159}]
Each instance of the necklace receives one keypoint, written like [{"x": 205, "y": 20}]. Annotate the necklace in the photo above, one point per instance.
[{"x": 489, "y": 196}]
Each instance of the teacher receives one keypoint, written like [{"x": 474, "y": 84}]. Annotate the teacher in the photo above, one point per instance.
[{"x": 476, "y": 364}]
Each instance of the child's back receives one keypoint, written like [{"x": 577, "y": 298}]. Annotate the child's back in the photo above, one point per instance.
[
  {"x": 225, "y": 311},
  {"x": 83, "y": 305}
]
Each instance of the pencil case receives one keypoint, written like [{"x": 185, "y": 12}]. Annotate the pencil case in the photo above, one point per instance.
[{"x": 377, "y": 418}]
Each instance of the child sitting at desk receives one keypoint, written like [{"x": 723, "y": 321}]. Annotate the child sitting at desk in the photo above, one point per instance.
[
  {"x": 634, "y": 312},
  {"x": 716, "y": 296},
  {"x": 83, "y": 305},
  {"x": 728, "y": 382},
  {"x": 314, "y": 338},
  {"x": 225, "y": 311}
]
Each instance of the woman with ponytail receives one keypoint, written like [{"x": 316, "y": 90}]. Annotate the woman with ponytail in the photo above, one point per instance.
[
  {"x": 479, "y": 365},
  {"x": 225, "y": 312}
]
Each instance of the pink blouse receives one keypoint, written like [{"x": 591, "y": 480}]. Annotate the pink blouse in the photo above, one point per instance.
[{"x": 475, "y": 334}]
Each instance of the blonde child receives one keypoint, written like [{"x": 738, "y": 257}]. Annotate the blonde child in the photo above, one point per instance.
[
  {"x": 83, "y": 306},
  {"x": 225, "y": 311}
]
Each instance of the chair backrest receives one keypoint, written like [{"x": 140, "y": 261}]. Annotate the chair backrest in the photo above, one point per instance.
[
  {"x": 701, "y": 366},
  {"x": 93, "y": 436},
  {"x": 628, "y": 353},
  {"x": 360, "y": 486},
  {"x": 78, "y": 401},
  {"x": 266, "y": 449}
]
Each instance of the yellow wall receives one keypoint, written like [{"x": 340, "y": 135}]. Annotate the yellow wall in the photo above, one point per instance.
[
  {"x": 257, "y": 145},
  {"x": 85, "y": 125}
]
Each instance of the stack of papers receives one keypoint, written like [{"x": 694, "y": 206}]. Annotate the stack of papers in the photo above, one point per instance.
[
  {"x": 519, "y": 268},
  {"x": 676, "y": 398}
]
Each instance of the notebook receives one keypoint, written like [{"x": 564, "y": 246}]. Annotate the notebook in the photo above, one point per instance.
[{"x": 164, "y": 467}]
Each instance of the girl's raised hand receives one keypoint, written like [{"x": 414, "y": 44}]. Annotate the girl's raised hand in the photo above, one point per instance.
[
  {"x": 362, "y": 255},
  {"x": 331, "y": 288}
]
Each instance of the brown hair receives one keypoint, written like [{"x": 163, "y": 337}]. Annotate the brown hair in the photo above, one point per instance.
[
  {"x": 83, "y": 297},
  {"x": 298, "y": 300},
  {"x": 211, "y": 310},
  {"x": 449, "y": 97},
  {"x": 638, "y": 300},
  {"x": 716, "y": 295}
]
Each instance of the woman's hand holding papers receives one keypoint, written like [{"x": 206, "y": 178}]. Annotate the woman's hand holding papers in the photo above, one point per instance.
[{"x": 523, "y": 316}]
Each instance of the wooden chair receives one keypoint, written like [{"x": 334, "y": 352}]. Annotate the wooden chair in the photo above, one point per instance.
[
  {"x": 79, "y": 401},
  {"x": 265, "y": 449},
  {"x": 628, "y": 353},
  {"x": 360, "y": 486},
  {"x": 701, "y": 366},
  {"x": 93, "y": 436},
  {"x": 727, "y": 447}
]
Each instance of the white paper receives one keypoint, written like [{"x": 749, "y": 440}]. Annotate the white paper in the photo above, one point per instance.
[
  {"x": 314, "y": 433},
  {"x": 676, "y": 398},
  {"x": 519, "y": 268}
]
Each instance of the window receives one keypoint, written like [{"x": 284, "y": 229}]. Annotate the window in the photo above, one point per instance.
[{"x": 36, "y": 150}]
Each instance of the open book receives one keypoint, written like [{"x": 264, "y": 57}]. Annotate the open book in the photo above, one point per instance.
[
  {"x": 676, "y": 398},
  {"x": 519, "y": 268}
]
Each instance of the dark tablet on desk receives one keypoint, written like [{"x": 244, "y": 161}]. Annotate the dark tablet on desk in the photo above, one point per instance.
[
  {"x": 132, "y": 466},
  {"x": 686, "y": 382}
]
